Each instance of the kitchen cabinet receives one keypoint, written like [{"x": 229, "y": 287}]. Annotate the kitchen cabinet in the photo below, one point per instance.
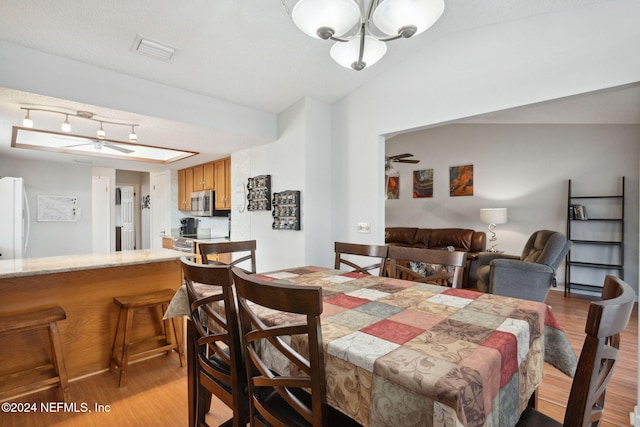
[
  {"x": 222, "y": 180},
  {"x": 203, "y": 177},
  {"x": 185, "y": 187}
]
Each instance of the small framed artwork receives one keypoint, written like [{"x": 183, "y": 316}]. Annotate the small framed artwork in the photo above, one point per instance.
[
  {"x": 423, "y": 183},
  {"x": 393, "y": 187},
  {"x": 461, "y": 180}
]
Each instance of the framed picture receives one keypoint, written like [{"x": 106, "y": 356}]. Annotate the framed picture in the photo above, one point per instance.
[
  {"x": 461, "y": 180},
  {"x": 423, "y": 183},
  {"x": 393, "y": 187}
]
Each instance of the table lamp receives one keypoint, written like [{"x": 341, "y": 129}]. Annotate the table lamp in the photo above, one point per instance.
[{"x": 493, "y": 216}]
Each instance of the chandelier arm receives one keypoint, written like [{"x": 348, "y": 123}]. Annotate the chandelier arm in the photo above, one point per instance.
[
  {"x": 361, "y": 52},
  {"x": 389, "y": 39},
  {"x": 79, "y": 116}
]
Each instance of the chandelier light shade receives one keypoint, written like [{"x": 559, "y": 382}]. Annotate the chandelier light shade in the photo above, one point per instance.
[
  {"x": 407, "y": 17},
  {"x": 348, "y": 54},
  {"x": 323, "y": 19},
  {"x": 493, "y": 216},
  {"x": 363, "y": 26}
]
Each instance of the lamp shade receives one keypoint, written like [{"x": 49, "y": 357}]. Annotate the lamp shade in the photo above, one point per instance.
[
  {"x": 493, "y": 216},
  {"x": 338, "y": 15},
  {"x": 347, "y": 53},
  {"x": 393, "y": 15}
]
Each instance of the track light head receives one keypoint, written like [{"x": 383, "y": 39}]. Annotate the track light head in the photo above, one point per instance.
[{"x": 27, "y": 122}]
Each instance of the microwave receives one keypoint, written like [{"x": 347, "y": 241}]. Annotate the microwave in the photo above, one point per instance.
[{"x": 202, "y": 203}]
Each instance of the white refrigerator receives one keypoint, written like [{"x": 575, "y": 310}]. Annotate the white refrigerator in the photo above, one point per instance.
[{"x": 14, "y": 219}]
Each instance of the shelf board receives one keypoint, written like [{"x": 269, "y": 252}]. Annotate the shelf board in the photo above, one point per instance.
[
  {"x": 596, "y": 242},
  {"x": 596, "y": 197},
  {"x": 596, "y": 219},
  {"x": 595, "y": 265},
  {"x": 583, "y": 287}
]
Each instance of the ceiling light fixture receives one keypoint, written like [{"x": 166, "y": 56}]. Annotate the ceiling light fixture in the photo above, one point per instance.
[
  {"x": 133, "y": 137},
  {"x": 101, "y": 133},
  {"x": 360, "y": 28},
  {"x": 66, "y": 126},
  {"x": 27, "y": 122}
]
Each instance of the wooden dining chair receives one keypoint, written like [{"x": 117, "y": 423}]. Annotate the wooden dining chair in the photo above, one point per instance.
[
  {"x": 214, "y": 351},
  {"x": 440, "y": 266},
  {"x": 207, "y": 249},
  {"x": 374, "y": 251},
  {"x": 295, "y": 398},
  {"x": 605, "y": 320}
]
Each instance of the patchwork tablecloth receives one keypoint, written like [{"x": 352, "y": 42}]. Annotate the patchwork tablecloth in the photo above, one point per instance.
[{"x": 400, "y": 353}]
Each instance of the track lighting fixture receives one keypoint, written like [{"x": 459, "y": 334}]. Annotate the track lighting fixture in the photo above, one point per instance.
[
  {"x": 27, "y": 122},
  {"x": 66, "y": 126},
  {"x": 133, "y": 137},
  {"x": 101, "y": 133}
]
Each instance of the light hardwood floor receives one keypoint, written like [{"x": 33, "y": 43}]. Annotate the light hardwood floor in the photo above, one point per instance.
[{"x": 156, "y": 393}]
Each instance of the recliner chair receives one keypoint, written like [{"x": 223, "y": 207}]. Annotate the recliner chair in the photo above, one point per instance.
[{"x": 528, "y": 276}]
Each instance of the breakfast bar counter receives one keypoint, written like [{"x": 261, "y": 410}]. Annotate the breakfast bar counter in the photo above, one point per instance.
[{"x": 84, "y": 286}]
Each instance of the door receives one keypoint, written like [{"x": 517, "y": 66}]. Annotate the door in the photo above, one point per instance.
[
  {"x": 100, "y": 213},
  {"x": 160, "y": 225},
  {"x": 127, "y": 216}
]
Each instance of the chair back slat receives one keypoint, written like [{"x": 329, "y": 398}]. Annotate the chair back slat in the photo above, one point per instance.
[
  {"x": 605, "y": 321},
  {"x": 401, "y": 256},
  {"x": 289, "y": 398},
  {"x": 207, "y": 249},
  {"x": 216, "y": 356},
  {"x": 373, "y": 251}
]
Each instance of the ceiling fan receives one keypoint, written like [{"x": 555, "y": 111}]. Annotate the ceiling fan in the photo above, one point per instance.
[
  {"x": 98, "y": 144},
  {"x": 399, "y": 158}
]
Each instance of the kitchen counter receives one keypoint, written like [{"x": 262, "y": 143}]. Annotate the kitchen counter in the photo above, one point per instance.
[
  {"x": 58, "y": 264},
  {"x": 84, "y": 286}
]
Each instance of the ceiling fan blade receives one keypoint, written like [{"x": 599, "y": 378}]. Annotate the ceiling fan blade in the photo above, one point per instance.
[
  {"x": 407, "y": 161},
  {"x": 118, "y": 148},
  {"x": 77, "y": 145},
  {"x": 400, "y": 156}
]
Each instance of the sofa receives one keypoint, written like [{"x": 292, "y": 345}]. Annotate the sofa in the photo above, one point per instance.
[{"x": 461, "y": 239}]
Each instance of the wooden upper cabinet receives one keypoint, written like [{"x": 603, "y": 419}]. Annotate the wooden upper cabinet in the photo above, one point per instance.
[
  {"x": 198, "y": 178},
  {"x": 208, "y": 176},
  {"x": 185, "y": 187},
  {"x": 214, "y": 175},
  {"x": 222, "y": 179},
  {"x": 203, "y": 177}
]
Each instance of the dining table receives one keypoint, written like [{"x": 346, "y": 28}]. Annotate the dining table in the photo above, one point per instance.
[{"x": 401, "y": 353}]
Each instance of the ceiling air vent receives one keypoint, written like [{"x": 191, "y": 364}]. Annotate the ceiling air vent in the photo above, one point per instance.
[{"x": 153, "y": 49}]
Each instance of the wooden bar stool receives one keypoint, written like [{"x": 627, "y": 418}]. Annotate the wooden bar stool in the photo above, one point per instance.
[
  {"x": 122, "y": 345},
  {"x": 29, "y": 321}
]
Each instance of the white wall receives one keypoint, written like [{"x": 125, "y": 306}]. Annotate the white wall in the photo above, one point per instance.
[
  {"x": 524, "y": 168},
  {"x": 469, "y": 73},
  {"x": 296, "y": 161},
  {"x": 48, "y": 179}
]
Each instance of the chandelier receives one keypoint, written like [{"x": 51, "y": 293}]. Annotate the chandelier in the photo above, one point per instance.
[
  {"x": 360, "y": 28},
  {"x": 27, "y": 122}
]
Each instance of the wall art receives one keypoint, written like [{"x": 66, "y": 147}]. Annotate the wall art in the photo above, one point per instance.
[
  {"x": 461, "y": 180},
  {"x": 423, "y": 183},
  {"x": 393, "y": 187}
]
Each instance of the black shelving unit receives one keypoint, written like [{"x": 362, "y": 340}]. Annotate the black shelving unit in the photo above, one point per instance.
[
  {"x": 605, "y": 239},
  {"x": 286, "y": 210},
  {"x": 259, "y": 193}
]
